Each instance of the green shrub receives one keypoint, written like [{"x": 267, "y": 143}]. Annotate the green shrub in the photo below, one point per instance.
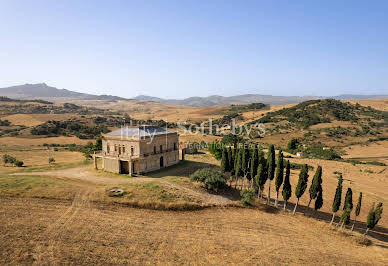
[
  {"x": 19, "y": 163},
  {"x": 12, "y": 160},
  {"x": 247, "y": 196},
  {"x": 210, "y": 177}
]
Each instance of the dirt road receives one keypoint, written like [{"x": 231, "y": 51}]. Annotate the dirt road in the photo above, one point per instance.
[{"x": 88, "y": 175}]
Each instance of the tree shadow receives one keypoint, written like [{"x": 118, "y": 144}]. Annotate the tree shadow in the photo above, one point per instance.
[
  {"x": 181, "y": 169},
  {"x": 379, "y": 232}
]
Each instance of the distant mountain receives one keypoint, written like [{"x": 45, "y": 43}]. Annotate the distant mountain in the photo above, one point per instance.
[
  {"x": 216, "y": 100},
  {"x": 43, "y": 91}
]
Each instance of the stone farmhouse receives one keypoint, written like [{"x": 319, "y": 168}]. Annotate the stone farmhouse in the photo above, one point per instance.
[{"x": 138, "y": 149}]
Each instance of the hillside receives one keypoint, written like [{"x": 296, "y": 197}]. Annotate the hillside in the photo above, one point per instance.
[
  {"x": 43, "y": 91},
  {"x": 216, "y": 100},
  {"x": 327, "y": 122}
]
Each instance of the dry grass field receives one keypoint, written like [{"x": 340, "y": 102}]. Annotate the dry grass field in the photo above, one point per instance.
[
  {"x": 65, "y": 216},
  {"x": 35, "y": 119},
  {"x": 380, "y": 104},
  {"x": 62, "y": 214},
  {"x": 46, "y": 231},
  {"x": 36, "y": 141}
]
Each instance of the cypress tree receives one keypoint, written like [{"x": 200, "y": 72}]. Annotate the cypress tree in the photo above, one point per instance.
[
  {"x": 358, "y": 209},
  {"x": 345, "y": 217},
  {"x": 315, "y": 184},
  {"x": 237, "y": 165},
  {"x": 270, "y": 169},
  {"x": 254, "y": 163},
  {"x": 302, "y": 185},
  {"x": 348, "y": 204},
  {"x": 319, "y": 200},
  {"x": 259, "y": 178},
  {"x": 286, "y": 192},
  {"x": 244, "y": 163},
  {"x": 279, "y": 176},
  {"x": 230, "y": 160},
  {"x": 224, "y": 160},
  {"x": 337, "y": 198},
  {"x": 374, "y": 216}
]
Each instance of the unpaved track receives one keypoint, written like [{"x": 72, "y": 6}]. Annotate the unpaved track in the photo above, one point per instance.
[
  {"x": 47, "y": 251},
  {"x": 85, "y": 174}
]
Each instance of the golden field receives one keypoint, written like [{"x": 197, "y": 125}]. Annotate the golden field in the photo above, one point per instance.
[{"x": 61, "y": 213}]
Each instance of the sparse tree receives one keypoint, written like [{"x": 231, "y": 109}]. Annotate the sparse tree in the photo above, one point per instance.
[
  {"x": 337, "y": 198},
  {"x": 374, "y": 216},
  {"x": 315, "y": 184},
  {"x": 279, "y": 176},
  {"x": 358, "y": 209},
  {"x": 302, "y": 185},
  {"x": 286, "y": 192},
  {"x": 270, "y": 169},
  {"x": 345, "y": 217},
  {"x": 51, "y": 160},
  {"x": 292, "y": 144}
]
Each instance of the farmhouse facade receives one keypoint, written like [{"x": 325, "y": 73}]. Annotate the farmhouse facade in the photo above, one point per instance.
[{"x": 138, "y": 149}]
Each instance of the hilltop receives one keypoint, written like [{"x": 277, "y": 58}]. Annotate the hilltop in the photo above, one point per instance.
[{"x": 326, "y": 122}]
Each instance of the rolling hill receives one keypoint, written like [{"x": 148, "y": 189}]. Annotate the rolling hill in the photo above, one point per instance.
[
  {"x": 46, "y": 92},
  {"x": 216, "y": 100},
  {"x": 43, "y": 91}
]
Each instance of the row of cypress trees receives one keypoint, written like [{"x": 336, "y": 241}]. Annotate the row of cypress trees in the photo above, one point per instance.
[
  {"x": 250, "y": 163},
  {"x": 374, "y": 213}
]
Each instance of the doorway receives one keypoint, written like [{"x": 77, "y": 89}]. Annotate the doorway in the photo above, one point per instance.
[
  {"x": 161, "y": 162},
  {"x": 124, "y": 167}
]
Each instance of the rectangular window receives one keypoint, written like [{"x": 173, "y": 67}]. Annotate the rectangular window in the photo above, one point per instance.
[
  {"x": 115, "y": 148},
  {"x": 174, "y": 146},
  {"x": 107, "y": 148},
  {"x": 131, "y": 150},
  {"x": 154, "y": 149},
  {"x": 161, "y": 148}
]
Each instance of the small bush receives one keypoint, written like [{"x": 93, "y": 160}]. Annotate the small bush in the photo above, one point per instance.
[
  {"x": 212, "y": 178},
  {"x": 200, "y": 175},
  {"x": 51, "y": 160},
  {"x": 247, "y": 196},
  {"x": 12, "y": 160},
  {"x": 19, "y": 163}
]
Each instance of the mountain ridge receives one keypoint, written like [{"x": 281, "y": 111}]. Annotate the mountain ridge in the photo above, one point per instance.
[{"x": 45, "y": 92}]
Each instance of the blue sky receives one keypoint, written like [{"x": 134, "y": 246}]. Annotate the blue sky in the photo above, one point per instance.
[{"x": 177, "y": 49}]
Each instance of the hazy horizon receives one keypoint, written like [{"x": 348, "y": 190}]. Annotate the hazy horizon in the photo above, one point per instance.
[{"x": 176, "y": 50}]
